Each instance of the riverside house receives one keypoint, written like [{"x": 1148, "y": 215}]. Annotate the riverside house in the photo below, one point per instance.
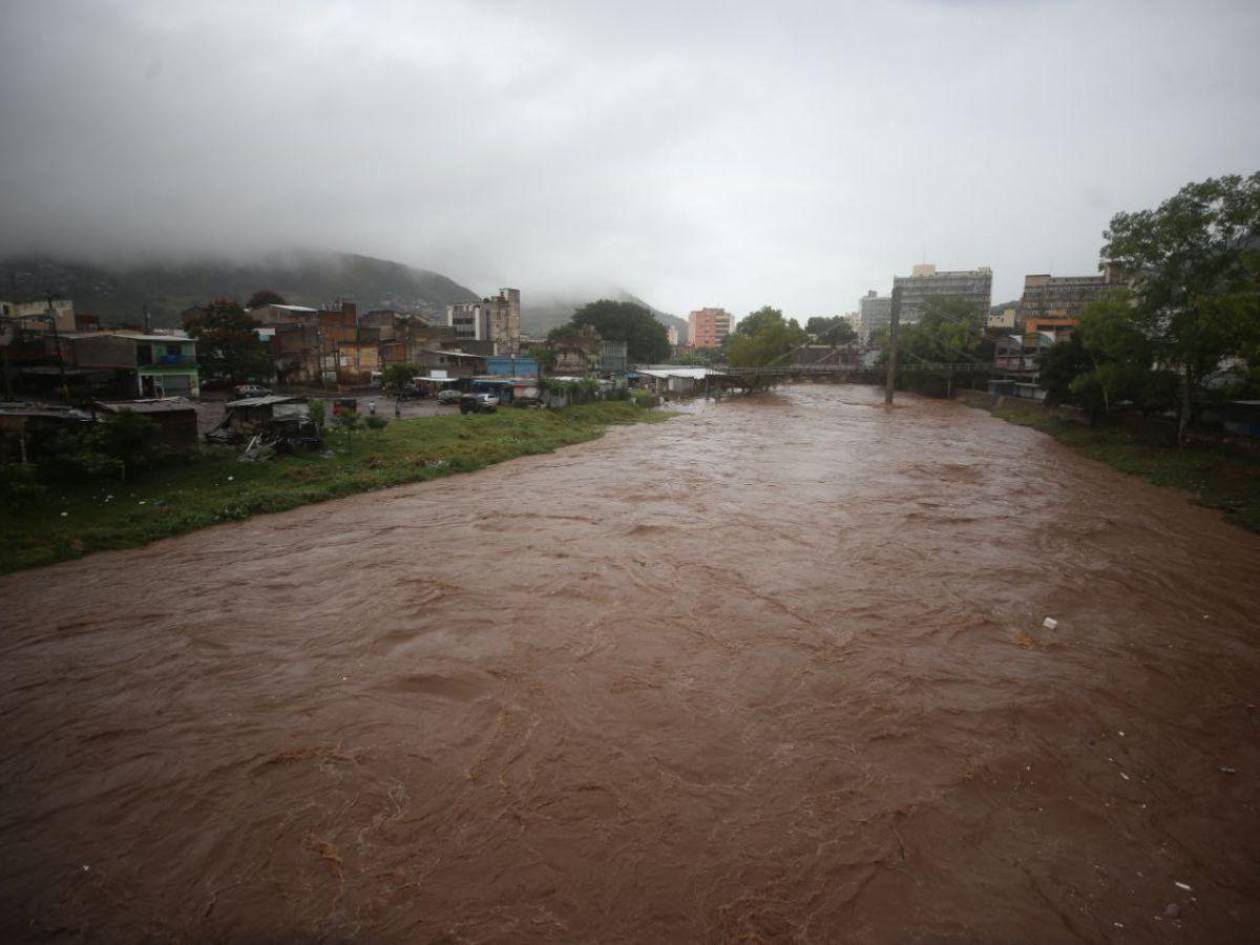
[{"x": 111, "y": 364}]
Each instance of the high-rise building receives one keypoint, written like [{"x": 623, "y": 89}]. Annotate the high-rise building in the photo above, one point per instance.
[
  {"x": 709, "y": 327},
  {"x": 1061, "y": 298},
  {"x": 874, "y": 311},
  {"x": 671, "y": 331},
  {"x": 496, "y": 319},
  {"x": 974, "y": 286}
]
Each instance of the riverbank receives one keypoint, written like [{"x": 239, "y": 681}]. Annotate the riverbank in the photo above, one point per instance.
[
  {"x": 70, "y": 521},
  {"x": 1215, "y": 477}
]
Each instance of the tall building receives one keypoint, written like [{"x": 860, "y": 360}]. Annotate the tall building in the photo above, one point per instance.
[
  {"x": 496, "y": 319},
  {"x": 709, "y": 327},
  {"x": 971, "y": 285},
  {"x": 1061, "y": 298},
  {"x": 671, "y": 332},
  {"x": 874, "y": 312}
]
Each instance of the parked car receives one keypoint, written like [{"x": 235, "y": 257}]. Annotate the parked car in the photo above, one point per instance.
[
  {"x": 478, "y": 403},
  {"x": 448, "y": 396},
  {"x": 250, "y": 390}
]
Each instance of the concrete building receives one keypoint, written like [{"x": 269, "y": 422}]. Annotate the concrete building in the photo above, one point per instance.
[
  {"x": 282, "y": 314},
  {"x": 114, "y": 364},
  {"x": 708, "y": 327},
  {"x": 613, "y": 357},
  {"x": 974, "y": 286},
  {"x": 497, "y": 320},
  {"x": 1063, "y": 297},
  {"x": 1002, "y": 322},
  {"x": 671, "y": 332},
  {"x": 577, "y": 352},
  {"x": 874, "y": 311},
  {"x": 33, "y": 315},
  {"x": 1060, "y": 328}
]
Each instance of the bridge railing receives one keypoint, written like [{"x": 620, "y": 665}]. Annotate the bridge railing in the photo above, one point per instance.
[{"x": 831, "y": 370}]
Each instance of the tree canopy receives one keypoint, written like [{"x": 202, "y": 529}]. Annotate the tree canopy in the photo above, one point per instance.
[
  {"x": 1194, "y": 262},
  {"x": 398, "y": 377},
  {"x": 835, "y": 330},
  {"x": 754, "y": 322},
  {"x": 646, "y": 339},
  {"x": 265, "y": 297},
  {"x": 764, "y": 337},
  {"x": 228, "y": 346},
  {"x": 949, "y": 330}
]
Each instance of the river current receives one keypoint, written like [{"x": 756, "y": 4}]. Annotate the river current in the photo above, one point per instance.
[{"x": 773, "y": 671}]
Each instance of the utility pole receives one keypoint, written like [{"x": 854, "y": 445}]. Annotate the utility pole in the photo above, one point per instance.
[
  {"x": 61, "y": 358},
  {"x": 894, "y": 319}
]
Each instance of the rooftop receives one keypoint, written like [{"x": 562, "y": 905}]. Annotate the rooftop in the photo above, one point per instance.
[
  {"x": 264, "y": 401},
  {"x": 122, "y": 333},
  {"x": 151, "y": 405}
]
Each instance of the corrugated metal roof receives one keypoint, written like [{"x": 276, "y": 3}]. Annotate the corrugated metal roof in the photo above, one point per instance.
[
  {"x": 120, "y": 333},
  {"x": 263, "y": 401},
  {"x": 694, "y": 373},
  {"x": 458, "y": 354},
  {"x": 151, "y": 405},
  {"x": 43, "y": 410}
]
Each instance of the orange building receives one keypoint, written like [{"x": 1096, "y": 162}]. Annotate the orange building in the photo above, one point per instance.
[
  {"x": 1059, "y": 327},
  {"x": 709, "y": 327}
]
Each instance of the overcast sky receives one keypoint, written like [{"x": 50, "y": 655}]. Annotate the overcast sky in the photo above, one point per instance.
[{"x": 733, "y": 154}]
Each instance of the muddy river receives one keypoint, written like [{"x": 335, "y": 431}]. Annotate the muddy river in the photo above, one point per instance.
[{"x": 775, "y": 671}]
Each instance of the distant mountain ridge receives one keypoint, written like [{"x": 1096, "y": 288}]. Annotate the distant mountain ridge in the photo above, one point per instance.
[{"x": 120, "y": 294}]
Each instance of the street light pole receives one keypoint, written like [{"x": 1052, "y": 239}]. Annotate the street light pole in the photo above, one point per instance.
[{"x": 894, "y": 320}]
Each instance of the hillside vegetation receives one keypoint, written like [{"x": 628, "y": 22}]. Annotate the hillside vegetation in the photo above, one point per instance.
[{"x": 119, "y": 295}]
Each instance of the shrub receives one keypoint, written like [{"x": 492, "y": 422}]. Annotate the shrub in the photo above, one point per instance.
[
  {"x": 19, "y": 482},
  {"x": 318, "y": 412}
]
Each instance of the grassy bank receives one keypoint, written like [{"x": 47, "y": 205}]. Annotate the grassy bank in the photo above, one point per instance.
[
  {"x": 71, "y": 521},
  {"x": 1214, "y": 477}
]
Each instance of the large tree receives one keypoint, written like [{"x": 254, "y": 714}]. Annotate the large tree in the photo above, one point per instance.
[
  {"x": 835, "y": 330},
  {"x": 950, "y": 329},
  {"x": 646, "y": 339},
  {"x": 228, "y": 346},
  {"x": 765, "y": 337},
  {"x": 1193, "y": 261},
  {"x": 265, "y": 297},
  {"x": 754, "y": 322}
]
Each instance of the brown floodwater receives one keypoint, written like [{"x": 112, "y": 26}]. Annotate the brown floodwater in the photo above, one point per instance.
[{"x": 774, "y": 671}]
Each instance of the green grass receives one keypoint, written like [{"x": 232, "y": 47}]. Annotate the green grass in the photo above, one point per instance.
[
  {"x": 1214, "y": 477},
  {"x": 71, "y": 521}
]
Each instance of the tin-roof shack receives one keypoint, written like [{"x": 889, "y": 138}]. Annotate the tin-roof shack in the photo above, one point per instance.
[
  {"x": 246, "y": 417},
  {"x": 175, "y": 417}
]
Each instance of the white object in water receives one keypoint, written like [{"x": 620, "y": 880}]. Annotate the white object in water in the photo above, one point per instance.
[{"x": 1049, "y": 623}]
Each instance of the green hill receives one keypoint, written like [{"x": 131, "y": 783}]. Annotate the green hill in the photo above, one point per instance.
[{"x": 119, "y": 295}]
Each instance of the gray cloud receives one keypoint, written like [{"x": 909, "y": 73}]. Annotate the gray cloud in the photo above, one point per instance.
[{"x": 729, "y": 154}]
